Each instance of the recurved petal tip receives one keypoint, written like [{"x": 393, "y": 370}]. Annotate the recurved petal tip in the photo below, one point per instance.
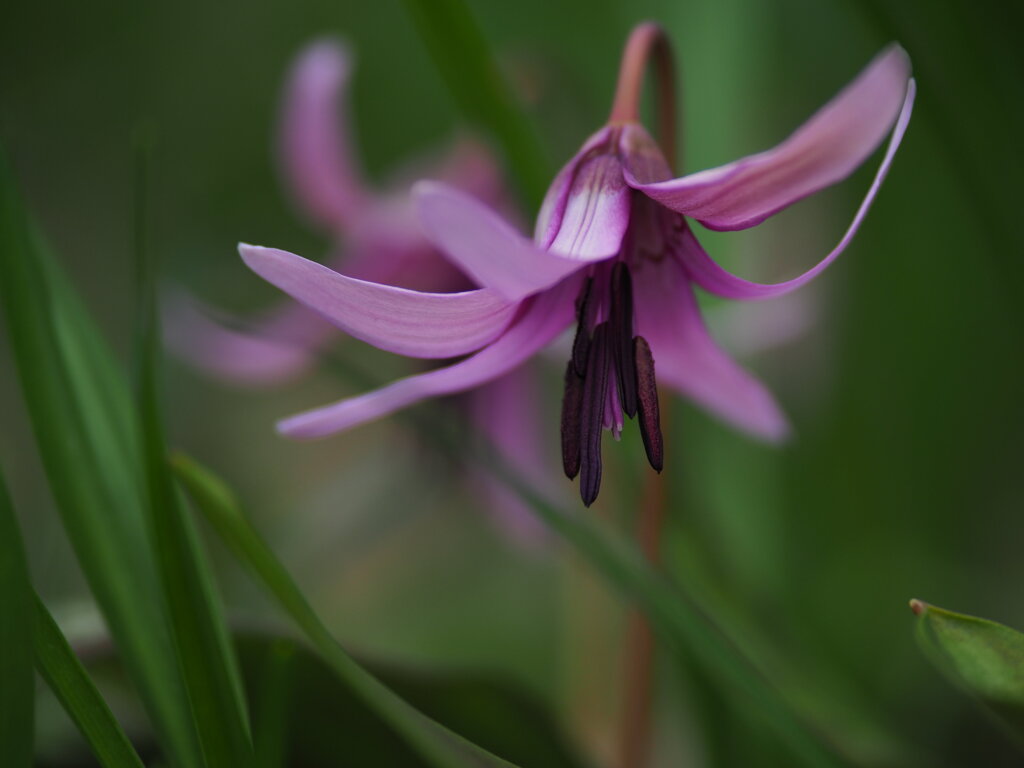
[
  {"x": 313, "y": 138},
  {"x": 824, "y": 150},
  {"x": 411, "y": 323}
]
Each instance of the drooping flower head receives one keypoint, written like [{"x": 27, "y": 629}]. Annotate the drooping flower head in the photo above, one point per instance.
[{"x": 613, "y": 252}]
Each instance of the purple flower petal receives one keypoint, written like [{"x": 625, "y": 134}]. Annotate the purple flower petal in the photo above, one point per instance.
[
  {"x": 545, "y": 316},
  {"x": 586, "y": 211},
  {"x": 507, "y": 412},
  {"x": 824, "y": 150},
  {"x": 484, "y": 245},
  {"x": 276, "y": 353},
  {"x": 315, "y": 158},
  {"x": 395, "y": 319},
  {"x": 711, "y": 277},
  {"x": 688, "y": 360}
]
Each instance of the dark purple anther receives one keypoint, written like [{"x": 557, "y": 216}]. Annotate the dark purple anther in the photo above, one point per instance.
[
  {"x": 595, "y": 391},
  {"x": 620, "y": 332},
  {"x": 572, "y": 402},
  {"x": 586, "y": 311},
  {"x": 647, "y": 396}
]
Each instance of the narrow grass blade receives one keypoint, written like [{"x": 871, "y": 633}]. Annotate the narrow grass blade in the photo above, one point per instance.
[
  {"x": 687, "y": 631},
  {"x": 432, "y": 741},
  {"x": 270, "y": 720},
  {"x": 69, "y": 681},
  {"x": 463, "y": 56},
  {"x": 982, "y": 657},
  {"x": 204, "y": 652},
  {"x": 17, "y": 683},
  {"x": 82, "y": 414}
]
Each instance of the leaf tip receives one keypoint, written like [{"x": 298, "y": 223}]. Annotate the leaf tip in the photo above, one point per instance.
[{"x": 918, "y": 606}]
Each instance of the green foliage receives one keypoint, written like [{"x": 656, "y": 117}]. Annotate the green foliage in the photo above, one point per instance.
[
  {"x": 84, "y": 425},
  {"x": 17, "y": 684},
  {"x": 312, "y": 700},
  {"x": 204, "y": 652},
  {"x": 466, "y": 62},
  {"x": 74, "y": 689},
  {"x": 984, "y": 658},
  {"x": 431, "y": 740}
]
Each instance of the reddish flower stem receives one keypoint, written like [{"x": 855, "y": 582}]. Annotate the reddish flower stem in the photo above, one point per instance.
[
  {"x": 647, "y": 41},
  {"x": 638, "y": 697}
]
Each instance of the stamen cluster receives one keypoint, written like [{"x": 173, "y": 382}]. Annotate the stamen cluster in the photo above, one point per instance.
[{"x": 610, "y": 373}]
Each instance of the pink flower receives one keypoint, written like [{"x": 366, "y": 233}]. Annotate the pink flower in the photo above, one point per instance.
[
  {"x": 614, "y": 252},
  {"x": 375, "y": 235}
]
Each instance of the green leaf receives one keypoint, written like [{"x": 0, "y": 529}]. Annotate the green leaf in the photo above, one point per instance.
[
  {"x": 463, "y": 56},
  {"x": 273, "y": 704},
  {"x": 83, "y": 421},
  {"x": 204, "y": 652},
  {"x": 74, "y": 689},
  {"x": 981, "y": 656},
  {"x": 312, "y": 701},
  {"x": 432, "y": 741},
  {"x": 17, "y": 689}
]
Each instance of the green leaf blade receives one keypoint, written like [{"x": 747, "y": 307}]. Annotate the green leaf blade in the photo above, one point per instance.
[
  {"x": 204, "y": 653},
  {"x": 432, "y": 741},
  {"x": 17, "y": 689},
  {"x": 69, "y": 681},
  {"x": 983, "y": 657},
  {"x": 463, "y": 56},
  {"x": 81, "y": 415}
]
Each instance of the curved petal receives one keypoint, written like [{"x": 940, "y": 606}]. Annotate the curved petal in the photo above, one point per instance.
[
  {"x": 824, "y": 150},
  {"x": 279, "y": 344},
  {"x": 266, "y": 357},
  {"x": 586, "y": 211},
  {"x": 688, "y": 360},
  {"x": 314, "y": 154},
  {"x": 395, "y": 319},
  {"x": 552, "y": 207},
  {"x": 548, "y": 315},
  {"x": 711, "y": 277},
  {"x": 480, "y": 242}
]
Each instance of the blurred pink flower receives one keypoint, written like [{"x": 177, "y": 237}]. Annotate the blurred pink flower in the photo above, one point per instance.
[
  {"x": 613, "y": 251},
  {"x": 376, "y": 237}
]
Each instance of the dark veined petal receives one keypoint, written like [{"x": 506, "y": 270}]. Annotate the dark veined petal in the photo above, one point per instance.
[
  {"x": 586, "y": 211},
  {"x": 314, "y": 154},
  {"x": 431, "y": 325},
  {"x": 823, "y": 151},
  {"x": 689, "y": 361},
  {"x": 484, "y": 245},
  {"x": 546, "y": 316},
  {"x": 711, "y": 277}
]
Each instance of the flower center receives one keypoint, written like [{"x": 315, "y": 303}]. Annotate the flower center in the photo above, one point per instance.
[{"x": 610, "y": 375}]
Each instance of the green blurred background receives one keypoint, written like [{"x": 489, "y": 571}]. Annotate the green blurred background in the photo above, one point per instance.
[{"x": 903, "y": 481}]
